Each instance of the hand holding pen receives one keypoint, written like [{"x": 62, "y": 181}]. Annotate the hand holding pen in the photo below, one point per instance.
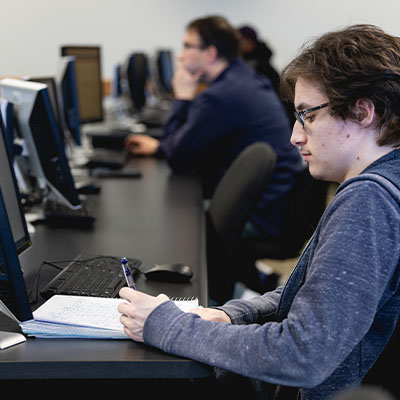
[
  {"x": 137, "y": 307},
  {"x": 127, "y": 273},
  {"x": 135, "y": 310}
]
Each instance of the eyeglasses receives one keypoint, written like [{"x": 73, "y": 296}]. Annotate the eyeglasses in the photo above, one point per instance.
[
  {"x": 187, "y": 46},
  {"x": 299, "y": 114}
]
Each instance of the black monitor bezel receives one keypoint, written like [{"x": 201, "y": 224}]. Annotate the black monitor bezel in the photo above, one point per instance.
[
  {"x": 165, "y": 86},
  {"x": 73, "y": 196},
  {"x": 137, "y": 90},
  {"x": 53, "y": 91},
  {"x": 25, "y": 242},
  {"x": 69, "y": 94},
  {"x": 19, "y": 303}
]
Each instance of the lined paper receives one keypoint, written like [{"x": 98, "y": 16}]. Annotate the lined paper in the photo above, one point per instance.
[{"x": 83, "y": 317}]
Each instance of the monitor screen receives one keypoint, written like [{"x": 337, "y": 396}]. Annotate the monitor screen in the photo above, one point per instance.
[
  {"x": 135, "y": 72},
  {"x": 7, "y": 113},
  {"x": 116, "y": 84},
  {"x": 44, "y": 156},
  {"x": 67, "y": 83},
  {"x": 11, "y": 195},
  {"x": 54, "y": 98},
  {"x": 165, "y": 70},
  {"x": 13, "y": 291},
  {"x": 89, "y": 83}
]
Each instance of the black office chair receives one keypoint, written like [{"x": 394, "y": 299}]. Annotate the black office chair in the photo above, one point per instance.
[
  {"x": 307, "y": 202},
  {"x": 234, "y": 198}
]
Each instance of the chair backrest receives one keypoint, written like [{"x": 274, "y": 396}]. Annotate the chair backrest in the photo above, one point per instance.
[
  {"x": 235, "y": 196},
  {"x": 240, "y": 188},
  {"x": 307, "y": 203}
]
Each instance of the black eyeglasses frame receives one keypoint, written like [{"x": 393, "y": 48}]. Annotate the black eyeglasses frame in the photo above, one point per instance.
[{"x": 299, "y": 114}]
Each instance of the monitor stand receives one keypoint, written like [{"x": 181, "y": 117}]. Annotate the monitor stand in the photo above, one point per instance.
[{"x": 8, "y": 339}]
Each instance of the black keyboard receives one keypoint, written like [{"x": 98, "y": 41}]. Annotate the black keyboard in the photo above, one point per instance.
[
  {"x": 110, "y": 159},
  {"x": 61, "y": 216},
  {"x": 114, "y": 140},
  {"x": 100, "y": 276}
]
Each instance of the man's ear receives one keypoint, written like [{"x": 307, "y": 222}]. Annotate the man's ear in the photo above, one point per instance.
[
  {"x": 212, "y": 53},
  {"x": 364, "y": 112}
]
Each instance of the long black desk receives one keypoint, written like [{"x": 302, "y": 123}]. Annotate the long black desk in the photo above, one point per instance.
[{"x": 157, "y": 218}]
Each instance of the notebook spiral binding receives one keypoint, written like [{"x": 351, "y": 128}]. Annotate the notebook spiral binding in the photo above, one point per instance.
[{"x": 192, "y": 298}]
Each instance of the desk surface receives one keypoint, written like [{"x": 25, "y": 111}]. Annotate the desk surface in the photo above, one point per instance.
[{"x": 157, "y": 218}]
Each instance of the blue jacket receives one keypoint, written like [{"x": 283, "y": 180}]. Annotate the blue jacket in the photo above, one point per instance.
[
  {"x": 239, "y": 108},
  {"x": 324, "y": 330}
]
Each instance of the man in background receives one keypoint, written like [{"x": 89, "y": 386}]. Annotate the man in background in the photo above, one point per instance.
[{"x": 208, "y": 129}]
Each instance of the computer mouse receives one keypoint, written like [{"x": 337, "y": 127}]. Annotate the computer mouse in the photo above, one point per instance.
[
  {"x": 179, "y": 273},
  {"x": 88, "y": 188}
]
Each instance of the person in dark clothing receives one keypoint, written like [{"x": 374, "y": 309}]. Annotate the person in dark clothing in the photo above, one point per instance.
[
  {"x": 257, "y": 54},
  {"x": 207, "y": 130}
]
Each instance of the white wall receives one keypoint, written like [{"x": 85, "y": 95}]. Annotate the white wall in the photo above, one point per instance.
[{"x": 31, "y": 32}]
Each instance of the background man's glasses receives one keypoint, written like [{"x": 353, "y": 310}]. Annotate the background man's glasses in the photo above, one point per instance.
[{"x": 187, "y": 46}]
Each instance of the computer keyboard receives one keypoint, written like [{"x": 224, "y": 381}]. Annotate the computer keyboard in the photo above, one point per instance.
[
  {"x": 114, "y": 140},
  {"x": 100, "y": 276},
  {"x": 110, "y": 159},
  {"x": 154, "y": 117},
  {"x": 59, "y": 215}
]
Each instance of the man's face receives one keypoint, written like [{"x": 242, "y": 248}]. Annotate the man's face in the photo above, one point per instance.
[
  {"x": 246, "y": 45},
  {"x": 193, "y": 56},
  {"x": 326, "y": 142}
]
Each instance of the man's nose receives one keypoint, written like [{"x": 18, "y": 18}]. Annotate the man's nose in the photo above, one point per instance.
[
  {"x": 180, "y": 55},
  {"x": 298, "y": 137}
]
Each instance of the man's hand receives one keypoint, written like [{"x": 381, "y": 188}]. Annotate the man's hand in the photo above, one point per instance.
[
  {"x": 135, "y": 312},
  {"x": 211, "y": 314},
  {"x": 185, "y": 83},
  {"x": 141, "y": 144}
]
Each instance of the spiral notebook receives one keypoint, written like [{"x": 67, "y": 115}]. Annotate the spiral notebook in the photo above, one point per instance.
[{"x": 83, "y": 317}]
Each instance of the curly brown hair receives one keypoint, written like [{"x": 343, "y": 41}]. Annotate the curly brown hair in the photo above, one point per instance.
[{"x": 360, "y": 61}]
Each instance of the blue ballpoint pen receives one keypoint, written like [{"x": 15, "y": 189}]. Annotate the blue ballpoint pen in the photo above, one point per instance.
[{"x": 127, "y": 273}]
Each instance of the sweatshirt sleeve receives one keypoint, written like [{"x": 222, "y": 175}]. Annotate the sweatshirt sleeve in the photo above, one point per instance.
[
  {"x": 194, "y": 129},
  {"x": 257, "y": 310},
  {"x": 354, "y": 260}
]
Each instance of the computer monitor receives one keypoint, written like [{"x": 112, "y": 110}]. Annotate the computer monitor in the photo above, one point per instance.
[
  {"x": 134, "y": 76},
  {"x": 89, "y": 83},
  {"x": 13, "y": 291},
  {"x": 116, "y": 83},
  {"x": 11, "y": 195},
  {"x": 7, "y": 113},
  {"x": 14, "y": 236},
  {"x": 44, "y": 157},
  {"x": 55, "y": 99},
  {"x": 67, "y": 83},
  {"x": 165, "y": 70}
]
